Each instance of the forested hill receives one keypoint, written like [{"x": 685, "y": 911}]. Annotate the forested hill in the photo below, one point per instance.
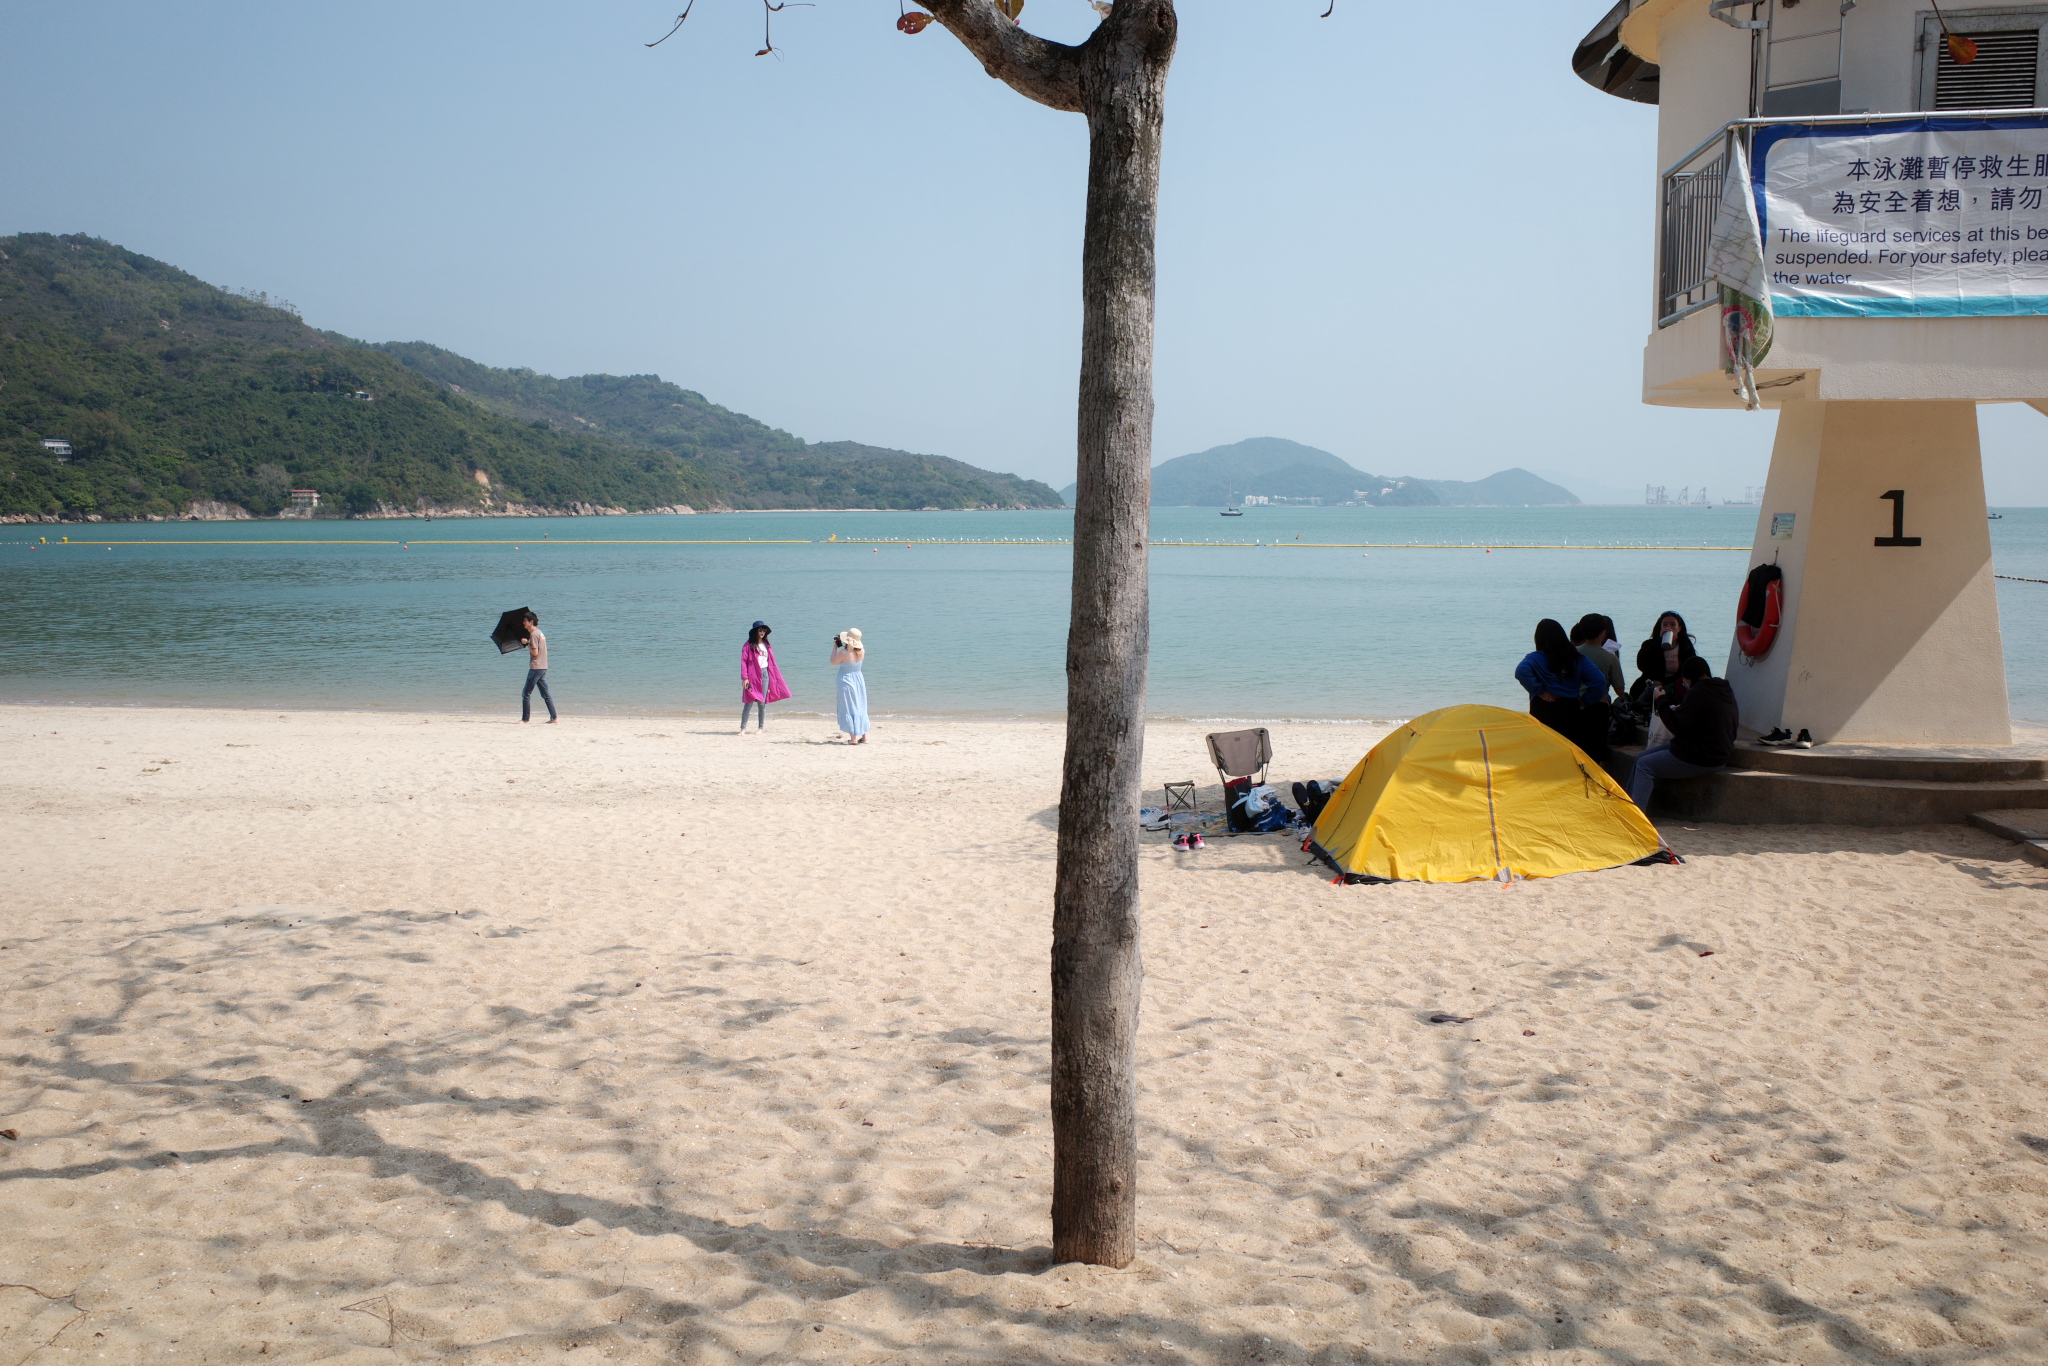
[
  {"x": 761, "y": 466},
  {"x": 173, "y": 392}
]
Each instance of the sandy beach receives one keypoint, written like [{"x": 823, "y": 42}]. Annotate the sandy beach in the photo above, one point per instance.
[{"x": 351, "y": 1037}]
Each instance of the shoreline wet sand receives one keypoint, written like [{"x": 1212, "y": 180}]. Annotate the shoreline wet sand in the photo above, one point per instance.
[{"x": 343, "y": 1036}]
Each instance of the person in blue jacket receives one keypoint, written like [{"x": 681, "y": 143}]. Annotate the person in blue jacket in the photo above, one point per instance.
[{"x": 1567, "y": 691}]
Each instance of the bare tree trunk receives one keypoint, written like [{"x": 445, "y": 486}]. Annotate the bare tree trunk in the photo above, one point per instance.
[
  {"x": 1118, "y": 79},
  {"x": 1097, "y": 972}
]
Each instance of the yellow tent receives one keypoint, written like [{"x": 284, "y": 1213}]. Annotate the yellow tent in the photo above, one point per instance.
[{"x": 1472, "y": 792}]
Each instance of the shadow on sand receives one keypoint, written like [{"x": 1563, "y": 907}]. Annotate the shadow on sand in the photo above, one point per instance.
[{"x": 1621, "y": 1257}]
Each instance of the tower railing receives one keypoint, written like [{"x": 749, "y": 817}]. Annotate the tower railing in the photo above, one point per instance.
[
  {"x": 1689, "y": 193},
  {"x": 1685, "y": 224}
]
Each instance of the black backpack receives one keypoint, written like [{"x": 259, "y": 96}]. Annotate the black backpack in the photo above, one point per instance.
[
  {"x": 1233, "y": 803},
  {"x": 1760, "y": 580}
]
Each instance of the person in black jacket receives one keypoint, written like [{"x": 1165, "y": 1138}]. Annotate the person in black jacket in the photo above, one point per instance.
[
  {"x": 1662, "y": 657},
  {"x": 1702, "y": 732},
  {"x": 1660, "y": 663}
]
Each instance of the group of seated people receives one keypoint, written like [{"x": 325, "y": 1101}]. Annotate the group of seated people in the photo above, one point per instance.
[{"x": 1575, "y": 684}]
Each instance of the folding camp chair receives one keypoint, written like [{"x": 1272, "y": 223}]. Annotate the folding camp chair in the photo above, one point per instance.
[{"x": 1238, "y": 754}]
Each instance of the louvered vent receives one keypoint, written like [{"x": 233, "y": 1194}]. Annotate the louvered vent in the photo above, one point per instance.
[{"x": 2002, "y": 77}]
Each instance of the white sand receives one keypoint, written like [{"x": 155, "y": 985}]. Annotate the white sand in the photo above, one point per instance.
[{"x": 340, "y": 1037}]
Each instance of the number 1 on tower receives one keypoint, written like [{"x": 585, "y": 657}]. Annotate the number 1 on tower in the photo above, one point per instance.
[{"x": 1898, "y": 536}]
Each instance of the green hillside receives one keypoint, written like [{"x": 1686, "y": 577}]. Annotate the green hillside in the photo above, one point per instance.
[
  {"x": 758, "y": 466},
  {"x": 172, "y": 391}
]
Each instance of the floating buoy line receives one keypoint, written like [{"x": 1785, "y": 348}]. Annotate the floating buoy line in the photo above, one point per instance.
[{"x": 1027, "y": 541}]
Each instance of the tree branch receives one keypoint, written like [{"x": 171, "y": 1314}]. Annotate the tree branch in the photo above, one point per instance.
[{"x": 1049, "y": 73}]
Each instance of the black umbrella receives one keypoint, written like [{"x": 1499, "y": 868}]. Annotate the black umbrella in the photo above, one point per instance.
[{"x": 510, "y": 634}]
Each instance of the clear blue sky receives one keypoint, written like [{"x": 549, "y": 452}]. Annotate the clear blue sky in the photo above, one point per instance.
[{"x": 1406, "y": 234}]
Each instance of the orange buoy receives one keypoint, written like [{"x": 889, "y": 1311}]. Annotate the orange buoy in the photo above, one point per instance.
[{"x": 1756, "y": 641}]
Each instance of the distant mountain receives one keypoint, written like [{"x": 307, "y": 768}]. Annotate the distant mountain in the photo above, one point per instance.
[
  {"x": 754, "y": 465},
  {"x": 1593, "y": 490},
  {"x": 178, "y": 397},
  {"x": 1515, "y": 488},
  {"x": 1270, "y": 467}
]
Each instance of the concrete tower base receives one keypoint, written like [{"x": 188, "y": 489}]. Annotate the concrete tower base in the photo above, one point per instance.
[{"x": 1881, "y": 644}]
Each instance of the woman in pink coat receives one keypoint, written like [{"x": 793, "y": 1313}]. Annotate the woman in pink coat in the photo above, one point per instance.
[{"x": 760, "y": 679}]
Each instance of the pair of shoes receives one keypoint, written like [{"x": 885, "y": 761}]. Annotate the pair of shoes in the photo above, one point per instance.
[
  {"x": 1190, "y": 840},
  {"x": 1778, "y": 736}
]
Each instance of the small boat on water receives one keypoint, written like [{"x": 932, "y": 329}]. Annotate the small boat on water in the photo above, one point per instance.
[
  {"x": 1232, "y": 509},
  {"x": 1239, "y": 512},
  {"x": 1996, "y": 516}
]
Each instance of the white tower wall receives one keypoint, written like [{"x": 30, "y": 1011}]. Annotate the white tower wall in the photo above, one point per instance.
[{"x": 1879, "y": 644}]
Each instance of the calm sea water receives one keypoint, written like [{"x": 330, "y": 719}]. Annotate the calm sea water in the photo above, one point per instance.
[{"x": 343, "y": 614}]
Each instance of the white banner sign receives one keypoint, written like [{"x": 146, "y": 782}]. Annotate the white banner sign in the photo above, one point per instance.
[{"x": 1929, "y": 218}]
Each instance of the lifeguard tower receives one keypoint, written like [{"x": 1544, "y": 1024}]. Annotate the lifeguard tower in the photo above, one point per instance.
[{"x": 1859, "y": 186}]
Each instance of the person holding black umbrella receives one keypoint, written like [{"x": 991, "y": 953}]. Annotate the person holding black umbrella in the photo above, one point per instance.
[{"x": 536, "y": 671}]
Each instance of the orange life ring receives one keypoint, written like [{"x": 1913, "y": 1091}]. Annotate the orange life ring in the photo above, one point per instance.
[{"x": 1755, "y": 641}]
